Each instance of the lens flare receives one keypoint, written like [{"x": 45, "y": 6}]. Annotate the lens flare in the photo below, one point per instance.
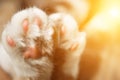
[{"x": 114, "y": 12}]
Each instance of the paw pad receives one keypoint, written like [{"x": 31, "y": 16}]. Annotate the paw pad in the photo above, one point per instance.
[
  {"x": 38, "y": 21},
  {"x": 10, "y": 41},
  {"x": 25, "y": 25},
  {"x": 74, "y": 46},
  {"x": 62, "y": 30},
  {"x": 31, "y": 52}
]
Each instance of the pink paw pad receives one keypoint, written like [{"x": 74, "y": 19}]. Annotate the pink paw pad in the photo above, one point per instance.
[
  {"x": 31, "y": 52},
  {"x": 62, "y": 30},
  {"x": 25, "y": 25},
  {"x": 10, "y": 41},
  {"x": 74, "y": 46},
  {"x": 38, "y": 21}
]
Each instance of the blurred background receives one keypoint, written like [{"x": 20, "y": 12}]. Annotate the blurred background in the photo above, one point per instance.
[{"x": 100, "y": 19}]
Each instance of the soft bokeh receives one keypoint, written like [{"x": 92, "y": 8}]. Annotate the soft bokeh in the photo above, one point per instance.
[{"x": 100, "y": 19}]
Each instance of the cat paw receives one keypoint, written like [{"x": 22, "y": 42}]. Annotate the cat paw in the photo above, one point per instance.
[
  {"x": 78, "y": 42},
  {"x": 28, "y": 34},
  {"x": 68, "y": 35},
  {"x": 69, "y": 42}
]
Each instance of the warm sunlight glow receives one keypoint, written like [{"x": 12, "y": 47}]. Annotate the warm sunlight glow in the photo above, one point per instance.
[
  {"x": 106, "y": 20},
  {"x": 114, "y": 12}
]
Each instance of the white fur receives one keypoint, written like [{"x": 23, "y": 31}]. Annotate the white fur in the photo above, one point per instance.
[
  {"x": 71, "y": 36},
  {"x": 14, "y": 29},
  {"x": 5, "y": 61}
]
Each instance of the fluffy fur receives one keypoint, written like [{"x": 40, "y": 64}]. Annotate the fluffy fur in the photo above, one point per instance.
[
  {"x": 28, "y": 69},
  {"x": 53, "y": 44},
  {"x": 100, "y": 60}
]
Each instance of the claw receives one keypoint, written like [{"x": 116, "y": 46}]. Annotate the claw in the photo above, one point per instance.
[
  {"x": 10, "y": 41},
  {"x": 25, "y": 25},
  {"x": 74, "y": 46}
]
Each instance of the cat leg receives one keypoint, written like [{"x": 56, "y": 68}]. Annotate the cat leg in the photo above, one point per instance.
[
  {"x": 71, "y": 41},
  {"x": 5, "y": 61},
  {"x": 25, "y": 39}
]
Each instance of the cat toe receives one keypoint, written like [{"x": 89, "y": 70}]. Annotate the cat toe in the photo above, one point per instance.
[
  {"x": 10, "y": 41},
  {"x": 74, "y": 46},
  {"x": 25, "y": 25},
  {"x": 62, "y": 30},
  {"x": 38, "y": 21}
]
